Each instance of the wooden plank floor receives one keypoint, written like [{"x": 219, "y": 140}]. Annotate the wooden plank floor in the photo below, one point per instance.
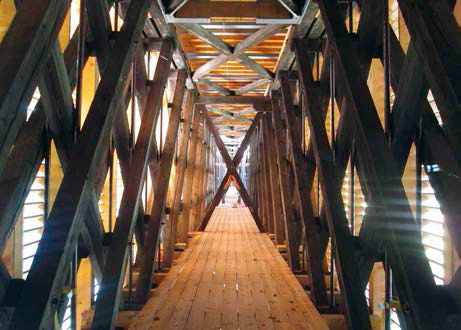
[{"x": 230, "y": 277}]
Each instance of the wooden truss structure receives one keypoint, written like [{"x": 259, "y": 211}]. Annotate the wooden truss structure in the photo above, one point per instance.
[
  {"x": 276, "y": 124},
  {"x": 231, "y": 174}
]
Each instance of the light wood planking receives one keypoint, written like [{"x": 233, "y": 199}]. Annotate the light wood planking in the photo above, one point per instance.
[{"x": 231, "y": 277}]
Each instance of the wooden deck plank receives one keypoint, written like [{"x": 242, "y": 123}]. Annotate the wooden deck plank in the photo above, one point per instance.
[
  {"x": 231, "y": 277},
  {"x": 229, "y": 318},
  {"x": 289, "y": 282},
  {"x": 277, "y": 311},
  {"x": 171, "y": 288},
  {"x": 198, "y": 309},
  {"x": 215, "y": 300},
  {"x": 175, "y": 312},
  {"x": 296, "y": 306},
  {"x": 246, "y": 310},
  {"x": 260, "y": 302}
]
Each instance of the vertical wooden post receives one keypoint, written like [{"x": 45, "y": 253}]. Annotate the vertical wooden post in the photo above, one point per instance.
[
  {"x": 197, "y": 177},
  {"x": 262, "y": 205},
  {"x": 311, "y": 228},
  {"x": 189, "y": 179},
  {"x": 114, "y": 272},
  {"x": 154, "y": 226},
  {"x": 201, "y": 179},
  {"x": 205, "y": 181},
  {"x": 48, "y": 271},
  {"x": 266, "y": 181},
  {"x": 285, "y": 187},
  {"x": 276, "y": 202},
  {"x": 172, "y": 226}
]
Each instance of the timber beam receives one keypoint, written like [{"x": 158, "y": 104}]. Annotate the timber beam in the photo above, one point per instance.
[
  {"x": 251, "y": 41},
  {"x": 286, "y": 191},
  {"x": 47, "y": 275},
  {"x": 24, "y": 51},
  {"x": 172, "y": 224},
  {"x": 300, "y": 166},
  {"x": 260, "y": 103},
  {"x": 189, "y": 179},
  {"x": 164, "y": 171},
  {"x": 232, "y": 173},
  {"x": 369, "y": 129},
  {"x": 109, "y": 296}
]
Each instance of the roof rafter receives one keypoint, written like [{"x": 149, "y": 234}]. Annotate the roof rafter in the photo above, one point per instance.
[
  {"x": 218, "y": 88},
  {"x": 251, "y": 41},
  {"x": 206, "y": 36},
  {"x": 229, "y": 114},
  {"x": 250, "y": 87}
]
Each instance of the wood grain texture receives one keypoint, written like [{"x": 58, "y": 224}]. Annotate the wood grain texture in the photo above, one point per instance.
[{"x": 230, "y": 277}]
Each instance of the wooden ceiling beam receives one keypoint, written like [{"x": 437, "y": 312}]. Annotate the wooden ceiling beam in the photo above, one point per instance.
[
  {"x": 261, "y": 101},
  {"x": 174, "y": 5},
  {"x": 255, "y": 66},
  {"x": 230, "y": 115},
  {"x": 169, "y": 31},
  {"x": 206, "y": 36},
  {"x": 224, "y": 76},
  {"x": 249, "y": 42},
  {"x": 301, "y": 30},
  {"x": 218, "y": 88},
  {"x": 205, "y": 54},
  {"x": 252, "y": 86},
  {"x": 233, "y": 122},
  {"x": 290, "y": 5},
  {"x": 206, "y": 9},
  {"x": 245, "y": 111}
]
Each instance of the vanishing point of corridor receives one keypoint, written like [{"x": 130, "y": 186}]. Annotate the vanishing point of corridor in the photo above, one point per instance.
[{"x": 230, "y": 164}]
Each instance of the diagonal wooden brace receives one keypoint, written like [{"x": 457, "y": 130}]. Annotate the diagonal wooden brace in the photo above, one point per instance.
[{"x": 231, "y": 174}]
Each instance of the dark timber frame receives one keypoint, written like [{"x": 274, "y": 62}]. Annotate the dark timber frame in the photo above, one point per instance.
[{"x": 231, "y": 173}]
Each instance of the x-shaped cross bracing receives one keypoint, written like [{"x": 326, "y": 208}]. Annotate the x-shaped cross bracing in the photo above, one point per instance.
[
  {"x": 373, "y": 168},
  {"x": 231, "y": 174},
  {"x": 230, "y": 115},
  {"x": 230, "y": 53}
]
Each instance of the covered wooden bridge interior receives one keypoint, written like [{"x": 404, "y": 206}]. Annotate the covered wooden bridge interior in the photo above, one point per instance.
[{"x": 124, "y": 124}]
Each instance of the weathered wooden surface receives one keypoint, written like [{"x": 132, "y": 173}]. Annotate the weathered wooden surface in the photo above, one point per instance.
[
  {"x": 155, "y": 219},
  {"x": 230, "y": 277},
  {"x": 47, "y": 274}
]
